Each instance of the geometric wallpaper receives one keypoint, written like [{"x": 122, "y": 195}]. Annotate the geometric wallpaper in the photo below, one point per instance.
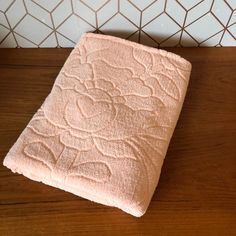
[{"x": 157, "y": 23}]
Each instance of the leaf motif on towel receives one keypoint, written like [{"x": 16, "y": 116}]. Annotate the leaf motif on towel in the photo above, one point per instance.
[
  {"x": 143, "y": 57},
  {"x": 134, "y": 86},
  {"x": 45, "y": 128},
  {"x": 40, "y": 152},
  {"x": 168, "y": 85},
  {"x": 95, "y": 171},
  {"x": 69, "y": 82},
  {"x": 81, "y": 144},
  {"x": 83, "y": 72},
  {"x": 117, "y": 59},
  {"x": 114, "y": 148},
  {"x": 142, "y": 103}
]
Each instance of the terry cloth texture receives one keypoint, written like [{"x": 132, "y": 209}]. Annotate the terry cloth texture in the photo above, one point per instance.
[{"x": 103, "y": 131}]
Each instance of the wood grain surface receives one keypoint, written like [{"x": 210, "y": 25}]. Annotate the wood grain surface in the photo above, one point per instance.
[{"x": 196, "y": 194}]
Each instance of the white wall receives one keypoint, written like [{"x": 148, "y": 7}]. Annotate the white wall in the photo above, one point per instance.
[{"x": 59, "y": 23}]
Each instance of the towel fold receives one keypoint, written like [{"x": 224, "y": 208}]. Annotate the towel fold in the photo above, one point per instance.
[{"x": 103, "y": 131}]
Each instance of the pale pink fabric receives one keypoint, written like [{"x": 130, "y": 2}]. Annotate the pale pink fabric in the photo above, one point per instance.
[{"x": 103, "y": 131}]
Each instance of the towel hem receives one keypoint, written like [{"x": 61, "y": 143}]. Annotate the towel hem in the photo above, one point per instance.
[{"x": 83, "y": 194}]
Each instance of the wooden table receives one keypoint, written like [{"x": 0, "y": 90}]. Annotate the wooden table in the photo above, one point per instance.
[{"x": 196, "y": 194}]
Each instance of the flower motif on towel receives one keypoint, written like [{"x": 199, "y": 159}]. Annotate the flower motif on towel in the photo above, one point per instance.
[{"x": 104, "y": 115}]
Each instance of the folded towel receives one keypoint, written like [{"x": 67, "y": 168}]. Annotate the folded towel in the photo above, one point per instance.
[{"x": 103, "y": 131}]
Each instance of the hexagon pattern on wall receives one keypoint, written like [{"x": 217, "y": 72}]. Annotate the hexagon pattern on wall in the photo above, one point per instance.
[{"x": 158, "y": 23}]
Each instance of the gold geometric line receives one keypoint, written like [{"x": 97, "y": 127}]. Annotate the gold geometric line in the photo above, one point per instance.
[
  {"x": 57, "y": 5},
  {"x": 64, "y": 21},
  {"x": 150, "y": 37},
  {"x": 12, "y": 29},
  {"x": 25, "y": 38},
  {"x": 96, "y": 16},
  {"x": 231, "y": 24},
  {"x": 41, "y": 6},
  {"x": 118, "y": 6},
  {"x": 51, "y": 18},
  {"x": 165, "y": 5},
  {"x": 120, "y": 13},
  {"x": 132, "y": 34},
  {"x": 23, "y": 1},
  {"x": 57, "y": 32},
  {"x": 195, "y": 5},
  {"x": 229, "y": 5},
  {"x": 191, "y": 36},
  {"x": 85, "y": 4},
  {"x": 181, "y": 5},
  {"x": 164, "y": 40},
  {"x": 213, "y": 1},
  {"x": 95, "y": 13},
  {"x": 9, "y": 6},
  {"x": 225, "y": 28},
  {"x": 128, "y": 18},
  {"x": 102, "y": 5},
  {"x": 46, "y": 38},
  {"x": 95, "y": 31},
  {"x": 100, "y": 32},
  {"x": 134, "y": 5},
  {"x": 213, "y": 14},
  {"x": 23, "y": 17},
  {"x": 211, "y": 36},
  {"x": 172, "y": 19},
  {"x": 72, "y": 6},
  {"x": 4, "y": 26},
  {"x": 65, "y": 37},
  {"x": 75, "y": 14},
  {"x": 153, "y": 19},
  {"x": 108, "y": 20},
  {"x": 230, "y": 33},
  {"x": 227, "y": 24},
  {"x": 197, "y": 19},
  {"x": 47, "y": 9},
  {"x": 27, "y": 13},
  {"x": 92, "y": 8},
  {"x": 182, "y": 28},
  {"x": 148, "y": 5},
  {"x": 170, "y": 15},
  {"x": 54, "y": 30},
  {"x": 96, "y": 20},
  {"x": 140, "y": 26},
  {"x": 185, "y": 19},
  {"x": 5, "y": 36},
  {"x": 43, "y": 23}
]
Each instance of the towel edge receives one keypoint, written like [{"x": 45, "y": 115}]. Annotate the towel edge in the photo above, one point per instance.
[{"x": 149, "y": 49}]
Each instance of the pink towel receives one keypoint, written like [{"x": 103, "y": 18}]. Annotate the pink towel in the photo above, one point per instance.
[{"x": 103, "y": 131}]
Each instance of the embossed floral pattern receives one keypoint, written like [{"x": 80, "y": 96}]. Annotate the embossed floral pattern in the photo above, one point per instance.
[{"x": 106, "y": 125}]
